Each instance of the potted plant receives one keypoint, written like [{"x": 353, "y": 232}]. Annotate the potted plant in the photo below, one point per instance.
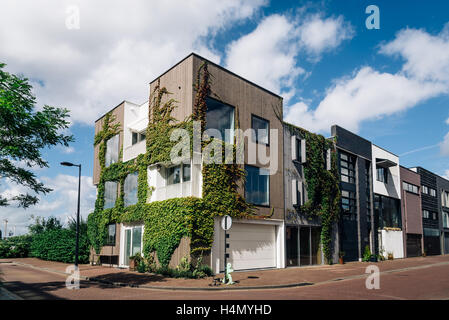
[
  {"x": 134, "y": 261},
  {"x": 390, "y": 255},
  {"x": 341, "y": 254}
]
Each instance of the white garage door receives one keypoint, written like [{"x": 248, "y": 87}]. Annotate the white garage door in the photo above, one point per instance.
[{"x": 251, "y": 246}]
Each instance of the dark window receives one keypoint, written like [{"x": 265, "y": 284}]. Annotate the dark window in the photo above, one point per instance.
[
  {"x": 137, "y": 137},
  {"x": 111, "y": 234},
  {"x": 368, "y": 190},
  {"x": 348, "y": 205},
  {"x": 257, "y": 186},
  {"x": 178, "y": 174},
  {"x": 347, "y": 165},
  {"x": 261, "y": 129},
  {"x": 389, "y": 212},
  {"x": 220, "y": 116},
  {"x": 382, "y": 175}
]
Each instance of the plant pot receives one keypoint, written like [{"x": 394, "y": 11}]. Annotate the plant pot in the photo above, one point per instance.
[
  {"x": 373, "y": 259},
  {"x": 132, "y": 265},
  {"x": 341, "y": 261}
]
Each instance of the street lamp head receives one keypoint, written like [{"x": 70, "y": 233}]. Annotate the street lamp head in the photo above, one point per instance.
[{"x": 67, "y": 164}]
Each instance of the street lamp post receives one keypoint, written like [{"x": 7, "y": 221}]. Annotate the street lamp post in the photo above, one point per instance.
[{"x": 69, "y": 164}]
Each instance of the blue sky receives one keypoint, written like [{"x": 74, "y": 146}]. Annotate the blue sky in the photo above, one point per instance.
[{"x": 389, "y": 85}]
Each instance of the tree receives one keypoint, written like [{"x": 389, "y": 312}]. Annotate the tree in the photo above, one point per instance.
[
  {"x": 23, "y": 134},
  {"x": 41, "y": 225}
]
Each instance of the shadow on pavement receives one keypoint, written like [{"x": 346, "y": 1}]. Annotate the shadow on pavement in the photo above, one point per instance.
[{"x": 130, "y": 278}]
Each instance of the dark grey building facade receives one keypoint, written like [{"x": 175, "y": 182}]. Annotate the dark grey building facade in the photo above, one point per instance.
[
  {"x": 431, "y": 211},
  {"x": 443, "y": 200},
  {"x": 357, "y": 221}
]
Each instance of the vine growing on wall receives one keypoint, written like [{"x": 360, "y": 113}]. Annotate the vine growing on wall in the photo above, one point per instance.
[
  {"x": 322, "y": 185},
  {"x": 167, "y": 222}
]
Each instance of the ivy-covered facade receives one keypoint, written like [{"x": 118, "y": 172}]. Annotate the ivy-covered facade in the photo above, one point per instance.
[{"x": 147, "y": 203}]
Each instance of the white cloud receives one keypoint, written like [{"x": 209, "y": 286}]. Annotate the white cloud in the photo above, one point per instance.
[
  {"x": 269, "y": 54},
  {"x": 266, "y": 56},
  {"x": 444, "y": 147},
  {"x": 61, "y": 202},
  {"x": 118, "y": 50},
  {"x": 369, "y": 94},
  {"x": 318, "y": 34},
  {"x": 446, "y": 174}
]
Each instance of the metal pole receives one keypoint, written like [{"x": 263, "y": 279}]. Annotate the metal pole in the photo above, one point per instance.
[
  {"x": 78, "y": 218},
  {"x": 225, "y": 254}
]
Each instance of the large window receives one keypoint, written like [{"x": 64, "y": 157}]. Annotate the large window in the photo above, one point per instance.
[
  {"x": 111, "y": 234},
  {"x": 257, "y": 186},
  {"x": 410, "y": 187},
  {"x": 348, "y": 204},
  {"x": 178, "y": 174},
  {"x": 445, "y": 199},
  {"x": 382, "y": 175},
  {"x": 389, "y": 211},
  {"x": 130, "y": 189},
  {"x": 445, "y": 219},
  {"x": 110, "y": 194},
  {"x": 347, "y": 165},
  {"x": 112, "y": 146},
  {"x": 261, "y": 129},
  {"x": 220, "y": 116},
  {"x": 137, "y": 137}
]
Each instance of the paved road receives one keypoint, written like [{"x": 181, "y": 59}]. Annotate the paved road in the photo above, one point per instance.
[{"x": 424, "y": 282}]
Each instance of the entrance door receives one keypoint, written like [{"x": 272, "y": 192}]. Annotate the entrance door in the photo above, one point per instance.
[
  {"x": 304, "y": 246},
  {"x": 133, "y": 242},
  {"x": 414, "y": 245}
]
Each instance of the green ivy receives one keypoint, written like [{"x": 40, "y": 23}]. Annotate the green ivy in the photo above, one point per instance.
[
  {"x": 323, "y": 188},
  {"x": 167, "y": 222}
]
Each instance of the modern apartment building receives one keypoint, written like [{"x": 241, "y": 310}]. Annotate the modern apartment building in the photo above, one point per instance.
[
  {"x": 303, "y": 232},
  {"x": 443, "y": 193},
  {"x": 355, "y": 232},
  {"x": 387, "y": 202},
  {"x": 389, "y": 208},
  {"x": 430, "y": 211},
  {"x": 236, "y": 102},
  {"x": 412, "y": 222}
]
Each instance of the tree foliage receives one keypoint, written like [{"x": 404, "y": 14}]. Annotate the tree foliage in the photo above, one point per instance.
[{"x": 24, "y": 132}]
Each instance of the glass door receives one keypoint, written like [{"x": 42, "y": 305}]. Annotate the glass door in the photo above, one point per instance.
[
  {"x": 127, "y": 246},
  {"x": 304, "y": 245},
  {"x": 133, "y": 243}
]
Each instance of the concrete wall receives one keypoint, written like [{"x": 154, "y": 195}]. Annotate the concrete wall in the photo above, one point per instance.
[
  {"x": 135, "y": 119},
  {"x": 393, "y": 186},
  {"x": 391, "y": 241}
]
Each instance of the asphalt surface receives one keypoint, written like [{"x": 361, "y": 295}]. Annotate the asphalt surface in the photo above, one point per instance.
[{"x": 429, "y": 281}]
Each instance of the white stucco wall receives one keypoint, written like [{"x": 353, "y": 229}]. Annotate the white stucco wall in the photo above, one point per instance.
[
  {"x": 392, "y": 241},
  {"x": 393, "y": 187},
  {"x": 135, "y": 119}
]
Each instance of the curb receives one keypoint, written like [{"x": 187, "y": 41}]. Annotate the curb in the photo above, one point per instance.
[
  {"x": 130, "y": 285},
  {"x": 121, "y": 284}
]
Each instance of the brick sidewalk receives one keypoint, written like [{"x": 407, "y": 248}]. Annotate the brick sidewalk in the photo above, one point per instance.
[{"x": 259, "y": 278}]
